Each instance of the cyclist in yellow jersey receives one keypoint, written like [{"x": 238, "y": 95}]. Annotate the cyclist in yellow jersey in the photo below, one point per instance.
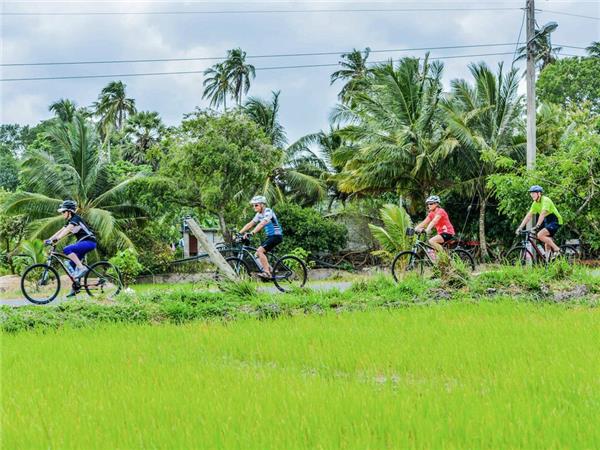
[{"x": 549, "y": 220}]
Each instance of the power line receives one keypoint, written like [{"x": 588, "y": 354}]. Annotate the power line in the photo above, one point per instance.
[
  {"x": 568, "y": 14},
  {"x": 187, "y": 72},
  {"x": 263, "y": 11},
  {"x": 518, "y": 40},
  {"x": 283, "y": 55}
]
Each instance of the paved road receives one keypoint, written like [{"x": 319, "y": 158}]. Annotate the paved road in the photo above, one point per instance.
[{"x": 321, "y": 286}]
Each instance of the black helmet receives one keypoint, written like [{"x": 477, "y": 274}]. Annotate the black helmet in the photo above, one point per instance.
[
  {"x": 536, "y": 188},
  {"x": 67, "y": 205}
]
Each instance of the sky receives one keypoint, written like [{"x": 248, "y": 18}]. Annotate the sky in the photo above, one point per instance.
[{"x": 198, "y": 31}]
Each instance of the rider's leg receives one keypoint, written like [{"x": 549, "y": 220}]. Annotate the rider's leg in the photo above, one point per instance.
[
  {"x": 264, "y": 261},
  {"x": 77, "y": 251},
  {"x": 436, "y": 240},
  {"x": 544, "y": 236}
]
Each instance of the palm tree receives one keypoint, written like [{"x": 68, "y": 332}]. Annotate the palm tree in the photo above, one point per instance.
[
  {"x": 64, "y": 109},
  {"x": 542, "y": 48},
  {"x": 485, "y": 118},
  {"x": 593, "y": 49},
  {"x": 264, "y": 114},
  {"x": 355, "y": 72},
  {"x": 72, "y": 169},
  {"x": 238, "y": 73},
  {"x": 145, "y": 129},
  {"x": 216, "y": 85},
  {"x": 113, "y": 107},
  {"x": 395, "y": 131}
]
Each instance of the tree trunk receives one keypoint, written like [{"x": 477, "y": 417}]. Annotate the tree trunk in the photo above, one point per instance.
[
  {"x": 482, "y": 241},
  {"x": 213, "y": 254},
  {"x": 224, "y": 231}
]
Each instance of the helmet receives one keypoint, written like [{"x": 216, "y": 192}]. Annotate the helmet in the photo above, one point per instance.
[
  {"x": 433, "y": 199},
  {"x": 258, "y": 199},
  {"x": 67, "y": 205},
  {"x": 536, "y": 188}
]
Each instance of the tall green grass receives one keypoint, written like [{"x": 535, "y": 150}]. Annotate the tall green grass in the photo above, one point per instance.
[{"x": 453, "y": 375}]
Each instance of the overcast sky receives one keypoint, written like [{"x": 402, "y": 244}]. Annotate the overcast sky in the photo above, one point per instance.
[{"x": 306, "y": 95}]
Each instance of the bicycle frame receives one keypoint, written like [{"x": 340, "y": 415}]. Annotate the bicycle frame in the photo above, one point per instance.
[
  {"x": 60, "y": 258},
  {"x": 422, "y": 247},
  {"x": 530, "y": 238},
  {"x": 245, "y": 250}
]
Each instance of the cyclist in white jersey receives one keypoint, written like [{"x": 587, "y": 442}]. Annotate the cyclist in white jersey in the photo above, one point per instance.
[{"x": 266, "y": 219}]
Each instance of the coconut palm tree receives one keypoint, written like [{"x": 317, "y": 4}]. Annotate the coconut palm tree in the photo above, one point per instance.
[
  {"x": 593, "y": 49},
  {"x": 354, "y": 72},
  {"x": 395, "y": 131},
  {"x": 265, "y": 114},
  {"x": 71, "y": 169},
  {"x": 216, "y": 85},
  {"x": 238, "y": 73},
  {"x": 485, "y": 119},
  {"x": 113, "y": 107},
  {"x": 64, "y": 109},
  {"x": 144, "y": 128},
  {"x": 541, "y": 43}
]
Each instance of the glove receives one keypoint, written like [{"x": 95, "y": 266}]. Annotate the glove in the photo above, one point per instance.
[
  {"x": 518, "y": 231},
  {"x": 48, "y": 242},
  {"x": 247, "y": 235}
]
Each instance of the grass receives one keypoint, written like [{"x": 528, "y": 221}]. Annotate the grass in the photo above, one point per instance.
[{"x": 497, "y": 374}]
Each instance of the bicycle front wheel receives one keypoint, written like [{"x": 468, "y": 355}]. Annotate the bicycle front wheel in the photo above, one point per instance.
[
  {"x": 518, "y": 256},
  {"x": 103, "y": 280},
  {"x": 406, "y": 263},
  {"x": 40, "y": 284},
  {"x": 464, "y": 256},
  {"x": 289, "y": 273}
]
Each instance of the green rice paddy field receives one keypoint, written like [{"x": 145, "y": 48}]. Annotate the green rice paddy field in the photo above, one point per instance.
[{"x": 453, "y": 375}]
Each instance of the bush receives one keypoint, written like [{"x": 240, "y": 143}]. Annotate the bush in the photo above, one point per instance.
[
  {"x": 127, "y": 263},
  {"x": 308, "y": 229}
]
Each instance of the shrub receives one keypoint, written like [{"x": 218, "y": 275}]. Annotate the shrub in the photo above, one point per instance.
[
  {"x": 127, "y": 263},
  {"x": 308, "y": 229}
]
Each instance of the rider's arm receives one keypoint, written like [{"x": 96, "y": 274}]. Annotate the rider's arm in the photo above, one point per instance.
[
  {"x": 423, "y": 224},
  {"x": 64, "y": 231},
  {"x": 541, "y": 218},
  {"x": 247, "y": 226},
  {"x": 525, "y": 221},
  {"x": 260, "y": 226},
  {"x": 435, "y": 220}
]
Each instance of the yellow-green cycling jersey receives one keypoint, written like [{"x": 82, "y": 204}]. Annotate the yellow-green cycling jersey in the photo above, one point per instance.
[{"x": 545, "y": 204}]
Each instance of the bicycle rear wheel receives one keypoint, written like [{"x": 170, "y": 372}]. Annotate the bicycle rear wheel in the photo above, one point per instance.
[
  {"x": 40, "y": 284},
  {"x": 289, "y": 273},
  {"x": 239, "y": 266},
  {"x": 518, "y": 256},
  {"x": 406, "y": 263},
  {"x": 102, "y": 279},
  {"x": 464, "y": 256}
]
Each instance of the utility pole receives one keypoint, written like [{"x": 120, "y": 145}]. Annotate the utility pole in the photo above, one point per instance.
[{"x": 530, "y": 78}]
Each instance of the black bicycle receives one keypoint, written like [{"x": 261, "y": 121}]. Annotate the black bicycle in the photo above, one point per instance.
[
  {"x": 289, "y": 271},
  {"x": 421, "y": 257},
  {"x": 41, "y": 282},
  {"x": 530, "y": 250}
]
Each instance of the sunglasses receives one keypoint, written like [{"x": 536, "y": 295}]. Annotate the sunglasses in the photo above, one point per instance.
[{"x": 256, "y": 204}]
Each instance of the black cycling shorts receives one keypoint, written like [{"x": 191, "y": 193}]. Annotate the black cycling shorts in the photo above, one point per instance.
[
  {"x": 271, "y": 242},
  {"x": 447, "y": 236},
  {"x": 552, "y": 227}
]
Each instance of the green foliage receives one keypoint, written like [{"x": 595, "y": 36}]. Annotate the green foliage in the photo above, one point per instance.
[
  {"x": 308, "y": 229},
  {"x": 570, "y": 178},
  {"x": 9, "y": 172},
  {"x": 221, "y": 161},
  {"x": 34, "y": 249},
  {"x": 571, "y": 82},
  {"x": 392, "y": 236},
  {"x": 127, "y": 263}
]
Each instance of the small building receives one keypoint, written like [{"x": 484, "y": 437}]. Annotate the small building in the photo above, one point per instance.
[{"x": 190, "y": 243}]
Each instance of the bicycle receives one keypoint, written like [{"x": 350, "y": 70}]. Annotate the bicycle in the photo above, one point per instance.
[
  {"x": 289, "y": 271},
  {"x": 416, "y": 259},
  {"x": 522, "y": 254},
  {"x": 40, "y": 283}
]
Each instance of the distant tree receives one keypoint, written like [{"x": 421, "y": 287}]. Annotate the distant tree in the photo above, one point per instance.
[
  {"x": 594, "y": 49},
  {"x": 64, "y": 109},
  {"x": 354, "y": 72},
  {"x": 144, "y": 129},
  {"x": 571, "y": 82},
  {"x": 265, "y": 114},
  {"x": 216, "y": 85},
  {"x": 239, "y": 73},
  {"x": 544, "y": 53},
  {"x": 113, "y": 107}
]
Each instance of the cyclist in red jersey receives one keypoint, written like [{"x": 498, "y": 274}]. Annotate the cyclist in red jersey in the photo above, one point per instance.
[{"x": 439, "y": 219}]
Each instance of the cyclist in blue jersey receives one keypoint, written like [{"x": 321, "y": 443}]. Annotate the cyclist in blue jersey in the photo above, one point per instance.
[
  {"x": 86, "y": 241},
  {"x": 266, "y": 219}
]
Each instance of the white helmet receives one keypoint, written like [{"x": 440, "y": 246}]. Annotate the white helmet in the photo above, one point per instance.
[
  {"x": 433, "y": 199},
  {"x": 258, "y": 199}
]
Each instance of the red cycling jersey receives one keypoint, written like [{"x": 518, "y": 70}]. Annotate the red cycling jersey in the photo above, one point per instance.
[{"x": 443, "y": 225}]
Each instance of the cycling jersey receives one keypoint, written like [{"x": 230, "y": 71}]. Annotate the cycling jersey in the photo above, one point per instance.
[
  {"x": 272, "y": 228},
  {"x": 80, "y": 229},
  {"x": 443, "y": 225},
  {"x": 545, "y": 204}
]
